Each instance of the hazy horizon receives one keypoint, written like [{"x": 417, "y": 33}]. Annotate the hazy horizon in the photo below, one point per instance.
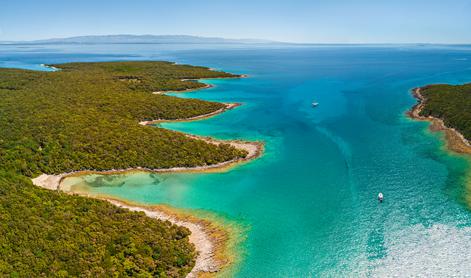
[
  {"x": 321, "y": 21},
  {"x": 230, "y": 40}
]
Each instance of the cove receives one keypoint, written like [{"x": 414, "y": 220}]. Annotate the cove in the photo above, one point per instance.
[{"x": 309, "y": 203}]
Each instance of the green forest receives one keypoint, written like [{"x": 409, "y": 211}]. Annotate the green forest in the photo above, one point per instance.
[
  {"x": 451, "y": 103},
  {"x": 81, "y": 117}
]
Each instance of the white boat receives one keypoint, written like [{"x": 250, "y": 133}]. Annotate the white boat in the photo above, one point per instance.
[
  {"x": 315, "y": 104},
  {"x": 380, "y": 197}
]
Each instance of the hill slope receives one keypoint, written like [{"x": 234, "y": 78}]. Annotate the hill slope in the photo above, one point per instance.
[
  {"x": 451, "y": 103},
  {"x": 86, "y": 116}
]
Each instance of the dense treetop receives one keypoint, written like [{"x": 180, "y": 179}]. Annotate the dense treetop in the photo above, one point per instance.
[
  {"x": 51, "y": 234},
  {"x": 86, "y": 116},
  {"x": 452, "y": 103}
]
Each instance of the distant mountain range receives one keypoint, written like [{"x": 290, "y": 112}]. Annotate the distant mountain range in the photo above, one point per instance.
[{"x": 142, "y": 39}]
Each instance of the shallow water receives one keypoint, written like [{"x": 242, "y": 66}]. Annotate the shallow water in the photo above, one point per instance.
[{"x": 310, "y": 201}]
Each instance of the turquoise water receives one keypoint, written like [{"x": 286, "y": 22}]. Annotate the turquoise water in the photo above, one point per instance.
[{"x": 310, "y": 202}]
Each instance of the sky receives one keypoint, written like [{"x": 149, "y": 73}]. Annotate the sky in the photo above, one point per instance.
[{"x": 314, "y": 21}]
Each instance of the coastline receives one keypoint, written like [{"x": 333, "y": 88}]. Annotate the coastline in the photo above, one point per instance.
[
  {"x": 50, "y": 67},
  {"x": 455, "y": 141},
  {"x": 206, "y": 86},
  {"x": 210, "y": 239},
  {"x": 254, "y": 150},
  {"x": 228, "y": 106}
]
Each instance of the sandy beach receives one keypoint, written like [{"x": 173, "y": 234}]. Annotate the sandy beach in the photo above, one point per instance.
[
  {"x": 454, "y": 139},
  {"x": 210, "y": 240},
  {"x": 253, "y": 149}
]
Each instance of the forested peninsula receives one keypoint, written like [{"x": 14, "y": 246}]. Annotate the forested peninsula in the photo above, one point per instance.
[
  {"x": 448, "y": 107},
  {"x": 86, "y": 116}
]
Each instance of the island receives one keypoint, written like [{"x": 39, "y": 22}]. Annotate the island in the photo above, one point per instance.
[
  {"x": 448, "y": 108},
  {"x": 95, "y": 117}
]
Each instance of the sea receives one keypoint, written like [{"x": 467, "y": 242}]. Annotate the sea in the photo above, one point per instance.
[{"x": 308, "y": 207}]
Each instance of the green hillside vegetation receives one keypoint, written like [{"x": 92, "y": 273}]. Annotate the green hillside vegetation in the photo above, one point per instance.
[
  {"x": 452, "y": 103},
  {"x": 50, "y": 234},
  {"x": 86, "y": 116}
]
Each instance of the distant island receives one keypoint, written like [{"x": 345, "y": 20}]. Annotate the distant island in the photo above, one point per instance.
[
  {"x": 85, "y": 117},
  {"x": 448, "y": 107},
  {"x": 142, "y": 39}
]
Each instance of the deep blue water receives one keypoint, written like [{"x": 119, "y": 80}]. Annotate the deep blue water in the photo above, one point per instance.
[{"x": 309, "y": 204}]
